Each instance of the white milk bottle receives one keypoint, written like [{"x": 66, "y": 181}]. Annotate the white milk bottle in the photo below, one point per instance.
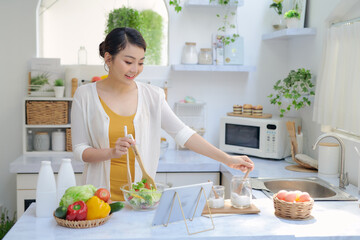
[
  {"x": 65, "y": 179},
  {"x": 45, "y": 191}
]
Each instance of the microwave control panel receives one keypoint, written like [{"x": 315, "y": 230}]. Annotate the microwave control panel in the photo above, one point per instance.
[{"x": 270, "y": 143}]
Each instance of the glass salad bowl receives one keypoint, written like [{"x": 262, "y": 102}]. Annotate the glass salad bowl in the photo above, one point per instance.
[{"x": 143, "y": 198}]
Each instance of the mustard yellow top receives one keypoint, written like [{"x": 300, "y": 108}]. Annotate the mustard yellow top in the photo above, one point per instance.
[{"x": 118, "y": 169}]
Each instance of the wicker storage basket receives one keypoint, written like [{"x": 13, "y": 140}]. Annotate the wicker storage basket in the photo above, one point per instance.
[
  {"x": 47, "y": 112},
  {"x": 297, "y": 210},
  {"x": 81, "y": 224},
  {"x": 68, "y": 140}
]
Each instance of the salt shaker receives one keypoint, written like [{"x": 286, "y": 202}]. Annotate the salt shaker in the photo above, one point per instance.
[
  {"x": 45, "y": 191},
  {"x": 65, "y": 178},
  {"x": 241, "y": 194}
]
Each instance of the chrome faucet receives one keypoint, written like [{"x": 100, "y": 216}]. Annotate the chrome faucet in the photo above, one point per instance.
[{"x": 343, "y": 179}]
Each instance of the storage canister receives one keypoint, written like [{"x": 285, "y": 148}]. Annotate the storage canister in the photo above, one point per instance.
[
  {"x": 189, "y": 54},
  {"x": 58, "y": 140},
  {"x": 41, "y": 141},
  {"x": 205, "y": 56}
]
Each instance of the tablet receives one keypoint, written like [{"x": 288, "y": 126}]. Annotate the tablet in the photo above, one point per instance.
[{"x": 189, "y": 196}]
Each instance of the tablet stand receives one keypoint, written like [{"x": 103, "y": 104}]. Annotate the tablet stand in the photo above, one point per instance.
[{"x": 176, "y": 196}]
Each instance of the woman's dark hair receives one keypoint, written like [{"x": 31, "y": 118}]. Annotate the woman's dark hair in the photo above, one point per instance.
[{"x": 118, "y": 39}]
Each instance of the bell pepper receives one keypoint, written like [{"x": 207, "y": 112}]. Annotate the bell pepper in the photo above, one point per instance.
[
  {"x": 77, "y": 211},
  {"x": 97, "y": 208}
]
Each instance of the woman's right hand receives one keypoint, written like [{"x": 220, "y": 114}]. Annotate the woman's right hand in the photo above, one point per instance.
[{"x": 121, "y": 146}]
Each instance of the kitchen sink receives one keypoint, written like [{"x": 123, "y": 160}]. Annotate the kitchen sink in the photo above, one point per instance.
[{"x": 318, "y": 189}]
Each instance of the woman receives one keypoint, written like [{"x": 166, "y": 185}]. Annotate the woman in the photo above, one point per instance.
[{"x": 101, "y": 110}]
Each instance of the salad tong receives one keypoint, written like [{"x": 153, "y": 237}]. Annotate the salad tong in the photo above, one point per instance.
[{"x": 145, "y": 175}]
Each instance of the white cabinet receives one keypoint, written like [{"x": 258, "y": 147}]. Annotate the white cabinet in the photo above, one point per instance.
[
  {"x": 187, "y": 178},
  {"x": 35, "y": 122},
  {"x": 26, "y": 190}
]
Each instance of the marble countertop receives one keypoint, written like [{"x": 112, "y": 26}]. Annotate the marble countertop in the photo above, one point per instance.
[{"x": 330, "y": 219}]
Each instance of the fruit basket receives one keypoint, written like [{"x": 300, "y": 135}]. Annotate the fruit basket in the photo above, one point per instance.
[
  {"x": 292, "y": 210},
  {"x": 83, "y": 223}
]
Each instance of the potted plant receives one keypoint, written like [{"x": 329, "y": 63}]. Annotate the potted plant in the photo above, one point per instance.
[
  {"x": 292, "y": 18},
  {"x": 6, "y": 223},
  {"x": 59, "y": 88},
  {"x": 278, "y": 21},
  {"x": 293, "y": 91}
]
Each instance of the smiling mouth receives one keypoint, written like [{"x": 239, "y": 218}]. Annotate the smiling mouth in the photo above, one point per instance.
[{"x": 130, "y": 76}]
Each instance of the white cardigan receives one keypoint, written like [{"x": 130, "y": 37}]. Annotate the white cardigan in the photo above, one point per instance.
[{"x": 90, "y": 128}]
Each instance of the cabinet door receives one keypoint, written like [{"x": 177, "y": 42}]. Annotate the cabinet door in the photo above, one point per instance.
[
  {"x": 181, "y": 179},
  {"x": 24, "y": 199}
]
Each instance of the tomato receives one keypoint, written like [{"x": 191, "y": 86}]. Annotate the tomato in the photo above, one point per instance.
[
  {"x": 103, "y": 194},
  {"x": 147, "y": 185}
]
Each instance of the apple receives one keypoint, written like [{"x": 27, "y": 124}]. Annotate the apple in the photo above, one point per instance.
[
  {"x": 281, "y": 194},
  {"x": 304, "y": 197},
  {"x": 290, "y": 197},
  {"x": 96, "y": 78}
]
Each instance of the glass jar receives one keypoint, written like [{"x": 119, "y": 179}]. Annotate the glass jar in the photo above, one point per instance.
[
  {"x": 41, "y": 141},
  {"x": 189, "y": 54},
  {"x": 205, "y": 56},
  {"x": 216, "y": 197},
  {"x": 241, "y": 194}
]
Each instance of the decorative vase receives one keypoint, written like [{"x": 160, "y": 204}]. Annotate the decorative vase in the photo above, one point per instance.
[
  {"x": 292, "y": 23},
  {"x": 59, "y": 91},
  {"x": 278, "y": 22}
]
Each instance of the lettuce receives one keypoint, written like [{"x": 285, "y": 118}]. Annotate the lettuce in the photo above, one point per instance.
[{"x": 77, "y": 193}]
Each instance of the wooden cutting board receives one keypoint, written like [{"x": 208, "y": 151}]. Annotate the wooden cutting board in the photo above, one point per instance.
[
  {"x": 264, "y": 115},
  {"x": 228, "y": 209}
]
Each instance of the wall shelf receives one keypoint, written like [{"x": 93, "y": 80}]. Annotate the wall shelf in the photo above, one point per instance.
[
  {"x": 289, "y": 33},
  {"x": 206, "y": 3},
  {"x": 48, "y": 126},
  {"x": 213, "y": 68},
  {"x": 48, "y": 99}
]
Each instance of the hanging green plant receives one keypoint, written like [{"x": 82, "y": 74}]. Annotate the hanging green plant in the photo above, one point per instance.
[
  {"x": 296, "y": 87},
  {"x": 225, "y": 18}
]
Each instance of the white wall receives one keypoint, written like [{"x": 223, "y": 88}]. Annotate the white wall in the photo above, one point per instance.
[
  {"x": 17, "y": 46},
  {"x": 273, "y": 59}
]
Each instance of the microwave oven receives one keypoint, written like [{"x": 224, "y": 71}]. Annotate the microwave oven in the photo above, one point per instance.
[{"x": 260, "y": 137}]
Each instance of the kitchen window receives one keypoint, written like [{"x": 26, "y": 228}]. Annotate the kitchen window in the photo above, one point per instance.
[
  {"x": 337, "y": 99},
  {"x": 64, "y": 26}
]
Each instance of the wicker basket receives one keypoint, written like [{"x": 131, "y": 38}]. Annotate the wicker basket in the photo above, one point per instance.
[
  {"x": 297, "y": 210},
  {"x": 68, "y": 140},
  {"x": 81, "y": 224},
  {"x": 47, "y": 112}
]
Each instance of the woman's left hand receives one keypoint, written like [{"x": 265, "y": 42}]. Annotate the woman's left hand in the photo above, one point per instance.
[{"x": 242, "y": 163}]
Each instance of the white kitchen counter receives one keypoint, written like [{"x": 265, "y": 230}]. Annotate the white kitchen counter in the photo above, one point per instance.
[{"x": 331, "y": 219}]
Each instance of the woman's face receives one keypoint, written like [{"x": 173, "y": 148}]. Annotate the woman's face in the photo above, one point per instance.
[{"x": 128, "y": 63}]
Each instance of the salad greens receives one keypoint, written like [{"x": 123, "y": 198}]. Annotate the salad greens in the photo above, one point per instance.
[{"x": 143, "y": 195}]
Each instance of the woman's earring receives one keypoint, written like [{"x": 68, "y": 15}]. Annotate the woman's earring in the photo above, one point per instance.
[{"x": 106, "y": 67}]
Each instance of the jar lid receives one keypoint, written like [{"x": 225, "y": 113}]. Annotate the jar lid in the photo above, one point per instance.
[
  {"x": 205, "y": 49},
  {"x": 190, "y": 43},
  {"x": 42, "y": 133}
]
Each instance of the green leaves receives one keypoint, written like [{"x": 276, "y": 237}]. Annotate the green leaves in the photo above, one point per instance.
[
  {"x": 176, "y": 4},
  {"x": 293, "y": 87},
  {"x": 292, "y": 14},
  {"x": 147, "y": 22},
  {"x": 6, "y": 223}
]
